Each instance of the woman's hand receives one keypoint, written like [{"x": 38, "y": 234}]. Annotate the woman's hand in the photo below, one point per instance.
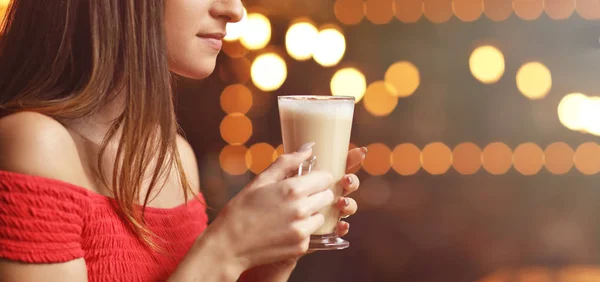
[
  {"x": 272, "y": 218},
  {"x": 281, "y": 270}
]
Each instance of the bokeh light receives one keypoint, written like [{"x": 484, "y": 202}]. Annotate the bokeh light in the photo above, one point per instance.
[
  {"x": 570, "y": 110},
  {"x": 269, "y": 72},
  {"x": 466, "y": 158},
  {"x": 559, "y": 9},
  {"x": 378, "y": 160},
  {"x": 467, "y": 10},
  {"x": 380, "y": 99},
  {"x": 528, "y": 158},
  {"x": 437, "y": 11},
  {"x": 409, "y": 11},
  {"x": 405, "y": 78},
  {"x": 436, "y": 158},
  {"x": 235, "y": 30},
  {"x": 528, "y": 9},
  {"x": 235, "y": 70},
  {"x": 558, "y": 158},
  {"x": 587, "y": 158},
  {"x": 535, "y": 274},
  {"x": 236, "y": 129},
  {"x": 257, "y": 31},
  {"x": 406, "y": 159},
  {"x": 487, "y": 64},
  {"x": 300, "y": 40},
  {"x": 497, "y": 158},
  {"x": 233, "y": 159},
  {"x": 379, "y": 11},
  {"x": 349, "y": 82},
  {"x": 534, "y": 80},
  {"x": 236, "y": 98},
  {"x": 588, "y": 9},
  {"x": 235, "y": 49},
  {"x": 259, "y": 156},
  {"x": 590, "y": 116},
  {"x": 330, "y": 47},
  {"x": 376, "y": 192},
  {"x": 578, "y": 273},
  {"x": 498, "y": 10},
  {"x": 349, "y": 12}
]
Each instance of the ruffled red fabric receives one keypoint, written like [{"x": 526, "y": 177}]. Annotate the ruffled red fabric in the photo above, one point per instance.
[{"x": 49, "y": 221}]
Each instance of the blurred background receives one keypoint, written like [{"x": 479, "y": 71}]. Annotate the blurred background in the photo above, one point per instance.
[{"x": 481, "y": 118}]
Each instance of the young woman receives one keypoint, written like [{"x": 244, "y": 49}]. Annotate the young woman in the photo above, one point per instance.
[{"x": 95, "y": 183}]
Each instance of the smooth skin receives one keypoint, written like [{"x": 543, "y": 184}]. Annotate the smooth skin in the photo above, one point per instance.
[{"x": 237, "y": 242}]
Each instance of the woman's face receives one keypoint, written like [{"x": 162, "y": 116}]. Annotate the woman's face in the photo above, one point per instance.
[{"x": 195, "y": 31}]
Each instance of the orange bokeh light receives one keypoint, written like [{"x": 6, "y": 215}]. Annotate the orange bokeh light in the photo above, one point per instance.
[
  {"x": 436, "y": 158},
  {"x": 587, "y": 158},
  {"x": 437, "y": 11},
  {"x": 349, "y": 12},
  {"x": 528, "y": 159},
  {"x": 380, "y": 99},
  {"x": 236, "y": 98},
  {"x": 528, "y": 9},
  {"x": 467, "y": 10},
  {"x": 466, "y": 158},
  {"x": 497, "y": 158},
  {"x": 378, "y": 160},
  {"x": 559, "y": 9},
  {"x": 379, "y": 11},
  {"x": 498, "y": 10},
  {"x": 409, "y": 11},
  {"x": 559, "y": 158},
  {"x": 259, "y": 157},
  {"x": 406, "y": 159},
  {"x": 234, "y": 49},
  {"x": 232, "y": 159},
  {"x": 588, "y": 9},
  {"x": 236, "y": 129}
]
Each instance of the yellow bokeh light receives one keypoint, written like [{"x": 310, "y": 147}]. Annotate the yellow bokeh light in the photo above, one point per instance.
[
  {"x": 257, "y": 32},
  {"x": 409, "y": 11},
  {"x": 349, "y": 82},
  {"x": 528, "y": 9},
  {"x": 235, "y": 30},
  {"x": 233, "y": 159},
  {"x": 268, "y": 72},
  {"x": 570, "y": 110},
  {"x": 378, "y": 160},
  {"x": 559, "y": 9},
  {"x": 467, "y": 10},
  {"x": 558, "y": 158},
  {"x": 379, "y": 11},
  {"x": 466, "y": 158},
  {"x": 587, "y": 158},
  {"x": 590, "y": 116},
  {"x": 405, "y": 78},
  {"x": 380, "y": 99},
  {"x": 436, "y": 158},
  {"x": 534, "y": 80},
  {"x": 349, "y": 12},
  {"x": 497, "y": 158},
  {"x": 300, "y": 40},
  {"x": 437, "y": 11},
  {"x": 236, "y": 98},
  {"x": 528, "y": 159},
  {"x": 406, "y": 159},
  {"x": 259, "y": 157},
  {"x": 497, "y": 10},
  {"x": 236, "y": 129},
  {"x": 330, "y": 47},
  {"x": 487, "y": 64}
]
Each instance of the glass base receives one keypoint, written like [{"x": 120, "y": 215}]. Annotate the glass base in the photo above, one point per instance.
[{"x": 327, "y": 242}]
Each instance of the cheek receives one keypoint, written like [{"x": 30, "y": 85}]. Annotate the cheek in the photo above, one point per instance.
[{"x": 189, "y": 57}]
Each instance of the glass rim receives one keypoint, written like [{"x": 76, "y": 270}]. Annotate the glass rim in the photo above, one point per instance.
[{"x": 316, "y": 98}]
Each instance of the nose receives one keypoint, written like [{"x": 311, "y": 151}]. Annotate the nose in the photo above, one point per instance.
[{"x": 230, "y": 10}]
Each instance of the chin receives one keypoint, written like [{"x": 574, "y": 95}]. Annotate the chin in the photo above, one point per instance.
[{"x": 195, "y": 69}]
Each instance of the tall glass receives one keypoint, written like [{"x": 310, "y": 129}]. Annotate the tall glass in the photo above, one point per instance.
[{"x": 327, "y": 121}]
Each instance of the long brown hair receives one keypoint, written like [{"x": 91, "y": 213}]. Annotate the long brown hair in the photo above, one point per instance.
[{"x": 66, "y": 59}]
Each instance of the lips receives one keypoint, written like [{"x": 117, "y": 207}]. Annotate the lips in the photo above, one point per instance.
[{"x": 214, "y": 40}]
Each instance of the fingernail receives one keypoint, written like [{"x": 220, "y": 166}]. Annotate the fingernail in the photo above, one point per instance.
[
  {"x": 306, "y": 147},
  {"x": 346, "y": 202},
  {"x": 350, "y": 179},
  {"x": 364, "y": 150},
  {"x": 347, "y": 225}
]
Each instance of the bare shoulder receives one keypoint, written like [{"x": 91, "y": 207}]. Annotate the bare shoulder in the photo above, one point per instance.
[
  {"x": 35, "y": 144},
  {"x": 188, "y": 159}
]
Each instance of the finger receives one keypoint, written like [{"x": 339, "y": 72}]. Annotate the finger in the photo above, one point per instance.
[
  {"x": 350, "y": 183},
  {"x": 342, "y": 228},
  {"x": 302, "y": 229},
  {"x": 306, "y": 185},
  {"x": 307, "y": 207},
  {"x": 284, "y": 165},
  {"x": 355, "y": 157},
  {"x": 347, "y": 206}
]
